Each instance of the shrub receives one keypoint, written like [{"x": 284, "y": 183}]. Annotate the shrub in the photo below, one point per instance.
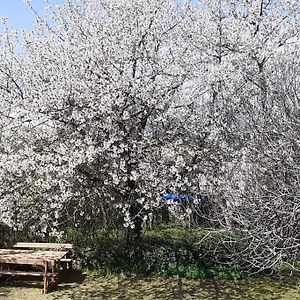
[{"x": 168, "y": 250}]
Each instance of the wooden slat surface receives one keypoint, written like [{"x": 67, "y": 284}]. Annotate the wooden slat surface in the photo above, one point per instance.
[
  {"x": 22, "y": 245},
  {"x": 30, "y": 257}
]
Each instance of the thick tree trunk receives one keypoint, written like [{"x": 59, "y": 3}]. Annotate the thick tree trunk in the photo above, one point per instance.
[{"x": 136, "y": 232}]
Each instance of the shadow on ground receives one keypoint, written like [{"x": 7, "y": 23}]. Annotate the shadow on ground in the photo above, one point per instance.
[
  {"x": 177, "y": 288},
  {"x": 69, "y": 282},
  {"x": 76, "y": 285},
  {"x": 31, "y": 288}
]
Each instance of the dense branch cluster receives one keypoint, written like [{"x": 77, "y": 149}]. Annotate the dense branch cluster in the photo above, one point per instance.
[{"x": 105, "y": 105}]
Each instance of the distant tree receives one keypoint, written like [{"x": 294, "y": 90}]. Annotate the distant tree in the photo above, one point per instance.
[{"x": 251, "y": 90}]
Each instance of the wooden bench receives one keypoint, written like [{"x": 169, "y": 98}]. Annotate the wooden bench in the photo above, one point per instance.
[
  {"x": 65, "y": 263},
  {"x": 48, "y": 258}
]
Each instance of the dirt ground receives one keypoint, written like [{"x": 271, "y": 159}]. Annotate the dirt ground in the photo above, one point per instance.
[{"x": 82, "y": 286}]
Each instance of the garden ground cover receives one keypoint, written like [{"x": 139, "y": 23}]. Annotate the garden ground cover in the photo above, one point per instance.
[{"x": 85, "y": 286}]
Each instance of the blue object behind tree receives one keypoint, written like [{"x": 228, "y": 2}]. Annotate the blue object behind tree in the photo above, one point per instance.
[{"x": 185, "y": 198}]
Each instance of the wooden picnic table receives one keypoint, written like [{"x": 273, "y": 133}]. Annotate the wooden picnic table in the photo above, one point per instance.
[{"x": 47, "y": 261}]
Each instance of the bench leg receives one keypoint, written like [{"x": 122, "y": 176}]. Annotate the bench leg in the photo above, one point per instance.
[{"x": 46, "y": 279}]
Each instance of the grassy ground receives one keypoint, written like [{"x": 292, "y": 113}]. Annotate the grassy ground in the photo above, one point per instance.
[{"x": 81, "y": 286}]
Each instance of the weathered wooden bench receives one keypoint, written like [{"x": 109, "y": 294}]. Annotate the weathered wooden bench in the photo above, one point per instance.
[
  {"x": 50, "y": 257},
  {"x": 65, "y": 263}
]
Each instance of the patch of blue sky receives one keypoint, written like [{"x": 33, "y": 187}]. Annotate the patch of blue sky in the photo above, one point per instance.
[{"x": 19, "y": 15}]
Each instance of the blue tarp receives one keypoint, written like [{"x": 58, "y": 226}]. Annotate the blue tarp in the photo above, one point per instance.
[{"x": 185, "y": 198}]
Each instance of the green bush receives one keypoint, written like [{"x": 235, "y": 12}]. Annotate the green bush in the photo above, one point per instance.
[
  {"x": 168, "y": 250},
  {"x": 6, "y": 236},
  {"x": 194, "y": 272}
]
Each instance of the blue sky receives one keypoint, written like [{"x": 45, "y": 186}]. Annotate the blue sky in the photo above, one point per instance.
[{"x": 19, "y": 14}]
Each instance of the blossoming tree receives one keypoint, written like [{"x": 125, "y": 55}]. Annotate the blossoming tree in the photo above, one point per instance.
[{"x": 105, "y": 105}]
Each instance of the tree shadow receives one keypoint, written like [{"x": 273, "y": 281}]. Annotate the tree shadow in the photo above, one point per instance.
[
  {"x": 73, "y": 276},
  {"x": 75, "y": 285},
  {"x": 177, "y": 288},
  {"x": 69, "y": 280}
]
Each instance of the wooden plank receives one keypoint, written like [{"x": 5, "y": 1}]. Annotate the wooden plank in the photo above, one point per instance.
[
  {"x": 21, "y": 273},
  {"x": 21, "y": 261},
  {"x": 23, "y": 245},
  {"x": 30, "y": 257},
  {"x": 66, "y": 260},
  {"x": 27, "y": 273}
]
